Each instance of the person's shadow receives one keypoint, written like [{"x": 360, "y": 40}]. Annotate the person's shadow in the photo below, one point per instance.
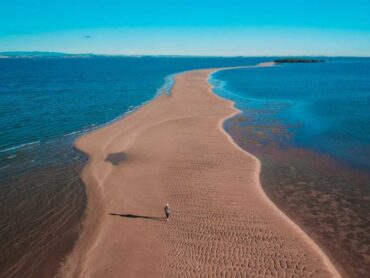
[{"x": 139, "y": 216}]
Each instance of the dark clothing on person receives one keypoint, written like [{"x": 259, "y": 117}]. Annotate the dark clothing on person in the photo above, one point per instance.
[{"x": 167, "y": 211}]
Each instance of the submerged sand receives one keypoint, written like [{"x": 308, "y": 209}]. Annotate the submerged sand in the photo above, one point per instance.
[{"x": 222, "y": 224}]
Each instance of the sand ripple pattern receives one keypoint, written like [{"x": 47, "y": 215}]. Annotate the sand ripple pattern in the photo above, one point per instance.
[
  {"x": 220, "y": 229},
  {"x": 222, "y": 224}
]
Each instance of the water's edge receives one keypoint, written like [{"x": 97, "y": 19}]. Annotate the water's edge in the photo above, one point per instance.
[
  {"x": 299, "y": 229},
  {"x": 165, "y": 89},
  {"x": 317, "y": 192},
  {"x": 329, "y": 260}
]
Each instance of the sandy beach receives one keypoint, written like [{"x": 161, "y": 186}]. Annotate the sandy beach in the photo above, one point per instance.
[{"x": 174, "y": 150}]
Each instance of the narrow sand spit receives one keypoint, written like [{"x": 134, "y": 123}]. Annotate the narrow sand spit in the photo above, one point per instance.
[{"x": 223, "y": 225}]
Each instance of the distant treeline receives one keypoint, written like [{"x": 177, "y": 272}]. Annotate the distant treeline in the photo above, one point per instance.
[{"x": 295, "y": 60}]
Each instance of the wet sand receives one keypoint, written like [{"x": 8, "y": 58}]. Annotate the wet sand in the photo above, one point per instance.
[
  {"x": 222, "y": 224},
  {"x": 328, "y": 198},
  {"x": 41, "y": 210}
]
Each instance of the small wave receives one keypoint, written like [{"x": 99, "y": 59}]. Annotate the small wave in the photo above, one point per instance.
[
  {"x": 20, "y": 146},
  {"x": 72, "y": 133},
  {"x": 169, "y": 81}
]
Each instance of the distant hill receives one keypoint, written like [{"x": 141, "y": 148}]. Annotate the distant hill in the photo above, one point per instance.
[
  {"x": 49, "y": 54},
  {"x": 40, "y": 54},
  {"x": 298, "y": 60}
]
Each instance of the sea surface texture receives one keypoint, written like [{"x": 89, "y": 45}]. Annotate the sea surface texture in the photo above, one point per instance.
[
  {"x": 309, "y": 124},
  {"x": 45, "y": 103}
]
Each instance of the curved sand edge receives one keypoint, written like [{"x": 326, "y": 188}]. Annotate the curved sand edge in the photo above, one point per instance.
[
  {"x": 89, "y": 250},
  {"x": 299, "y": 230}
]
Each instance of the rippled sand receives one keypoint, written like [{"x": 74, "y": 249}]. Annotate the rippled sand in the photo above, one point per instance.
[
  {"x": 329, "y": 199},
  {"x": 222, "y": 224}
]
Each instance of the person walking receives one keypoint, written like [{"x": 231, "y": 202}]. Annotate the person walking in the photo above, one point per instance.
[{"x": 167, "y": 211}]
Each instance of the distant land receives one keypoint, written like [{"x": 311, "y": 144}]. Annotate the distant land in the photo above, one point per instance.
[
  {"x": 53, "y": 54},
  {"x": 40, "y": 54},
  {"x": 298, "y": 60},
  {"x": 50, "y": 54}
]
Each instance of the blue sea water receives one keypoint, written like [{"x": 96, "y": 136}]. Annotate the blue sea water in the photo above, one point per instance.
[
  {"x": 45, "y": 104},
  {"x": 45, "y": 99},
  {"x": 325, "y": 106}
]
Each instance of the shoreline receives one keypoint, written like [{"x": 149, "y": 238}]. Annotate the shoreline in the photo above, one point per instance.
[
  {"x": 334, "y": 268},
  {"x": 98, "y": 173}
]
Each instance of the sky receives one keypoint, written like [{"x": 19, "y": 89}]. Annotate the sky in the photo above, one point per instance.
[{"x": 187, "y": 27}]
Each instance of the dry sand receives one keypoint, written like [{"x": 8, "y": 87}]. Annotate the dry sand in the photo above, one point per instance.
[{"x": 222, "y": 224}]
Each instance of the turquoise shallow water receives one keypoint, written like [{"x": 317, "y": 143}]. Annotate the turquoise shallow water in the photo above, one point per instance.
[
  {"x": 325, "y": 106},
  {"x": 45, "y": 104}
]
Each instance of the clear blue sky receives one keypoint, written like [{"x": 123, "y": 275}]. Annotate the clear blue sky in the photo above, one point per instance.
[{"x": 196, "y": 27}]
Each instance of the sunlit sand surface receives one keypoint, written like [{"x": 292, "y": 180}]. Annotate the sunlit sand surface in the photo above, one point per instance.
[{"x": 222, "y": 223}]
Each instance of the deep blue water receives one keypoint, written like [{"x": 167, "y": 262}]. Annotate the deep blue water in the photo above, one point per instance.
[{"x": 326, "y": 106}]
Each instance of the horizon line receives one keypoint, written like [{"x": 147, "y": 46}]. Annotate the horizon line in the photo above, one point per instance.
[{"x": 25, "y": 52}]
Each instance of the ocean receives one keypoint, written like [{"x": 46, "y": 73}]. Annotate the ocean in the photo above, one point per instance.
[
  {"x": 45, "y": 104},
  {"x": 309, "y": 124}
]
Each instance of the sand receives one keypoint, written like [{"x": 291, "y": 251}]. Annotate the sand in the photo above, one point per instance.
[{"x": 222, "y": 224}]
